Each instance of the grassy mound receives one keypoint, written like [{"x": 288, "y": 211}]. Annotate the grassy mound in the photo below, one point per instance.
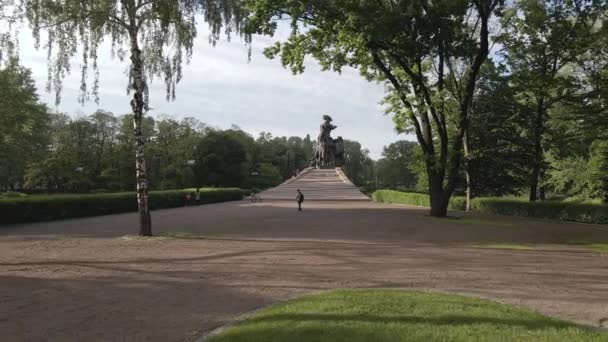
[{"x": 393, "y": 315}]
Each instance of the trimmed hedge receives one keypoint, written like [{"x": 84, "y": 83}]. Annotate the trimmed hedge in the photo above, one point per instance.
[
  {"x": 55, "y": 207},
  {"x": 563, "y": 211},
  {"x": 410, "y": 198}
]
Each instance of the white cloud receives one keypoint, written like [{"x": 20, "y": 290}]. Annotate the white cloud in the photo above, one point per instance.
[{"x": 220, "y": 88}]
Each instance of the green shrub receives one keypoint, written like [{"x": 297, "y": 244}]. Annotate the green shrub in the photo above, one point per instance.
[
  {"x": 416, "y": 199},
  {"x": 564, "y": 211},
  {"x": 55, "y": 207},
  {"x": 11, "y": 194}
]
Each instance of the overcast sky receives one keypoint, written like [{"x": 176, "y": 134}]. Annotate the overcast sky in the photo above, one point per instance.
[{"x": 221, "y": 88}]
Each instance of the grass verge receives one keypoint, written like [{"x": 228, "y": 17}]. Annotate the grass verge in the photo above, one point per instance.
[
  {"x": 394, "y": 315},
  {"x": 599, "y": 247}
]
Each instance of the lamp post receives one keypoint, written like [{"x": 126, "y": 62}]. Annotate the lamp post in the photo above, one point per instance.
[{"x": 191, "y": 163}]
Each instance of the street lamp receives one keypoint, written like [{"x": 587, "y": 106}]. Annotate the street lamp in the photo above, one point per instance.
[{"x": 191, "y": 163}]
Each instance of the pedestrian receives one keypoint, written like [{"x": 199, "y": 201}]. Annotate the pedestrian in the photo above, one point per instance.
[
  {"x": 253, "y": 198},
  {"x": 188, "y": 198},
  {"x": 197, "y": 197},
  {"x": 300, "y": 199}
]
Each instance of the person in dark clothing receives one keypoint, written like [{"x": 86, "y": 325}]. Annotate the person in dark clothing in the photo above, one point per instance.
[{"x": 300, "y": 199}]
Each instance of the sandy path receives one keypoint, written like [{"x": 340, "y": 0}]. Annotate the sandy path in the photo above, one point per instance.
[{"x": 82, "y": 279}]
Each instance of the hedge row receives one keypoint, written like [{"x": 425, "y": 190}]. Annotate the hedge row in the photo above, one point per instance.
[
  {"x": 410, "y": 198},
  {"x": 564, "y": 211},
  {"x": 55, "y": 207}
]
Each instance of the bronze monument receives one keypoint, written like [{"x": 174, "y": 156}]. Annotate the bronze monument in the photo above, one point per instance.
[{"x": 328, "y": 151}]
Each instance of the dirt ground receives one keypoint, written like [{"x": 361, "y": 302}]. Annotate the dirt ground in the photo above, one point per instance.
[{"x": 92, "y": 280}]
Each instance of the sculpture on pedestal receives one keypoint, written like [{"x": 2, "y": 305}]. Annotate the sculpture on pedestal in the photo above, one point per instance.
[{"x": 328, "y": 151}]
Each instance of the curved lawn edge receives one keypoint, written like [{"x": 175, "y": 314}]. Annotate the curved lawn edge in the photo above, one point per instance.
[{"x": 397, "y": 315}]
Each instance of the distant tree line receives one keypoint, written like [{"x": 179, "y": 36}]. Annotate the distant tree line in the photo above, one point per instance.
[{"x": 49, "y": 152}]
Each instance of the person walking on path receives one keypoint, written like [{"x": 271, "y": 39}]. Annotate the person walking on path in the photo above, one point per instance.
[
  {"x": 300, "y": 199},
  {"x": 197, "y": 197},
  {"x": 188, "y": 198}
]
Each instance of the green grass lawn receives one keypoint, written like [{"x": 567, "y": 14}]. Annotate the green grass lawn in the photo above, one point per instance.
[
  {"x": 600, "y": 247},
  {"x": 594, "y": 246},
  {"x": 505, "y": 245},
  {"x": 394, "y": 315},
  {"x": 494, "y": 222}
]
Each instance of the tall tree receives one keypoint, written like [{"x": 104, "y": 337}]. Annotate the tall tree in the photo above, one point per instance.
[
  {"x": 540, "y": 43},
  {"x": 220, "y": 160},
  {"x": 24, "y": 123},
  {"x": 356, "y": 162},
  {"x": 394, "y": 169},
  {"x": 428, "y": 52},
  {"x": 156, "y": 35},
  {"x": 499, "y": 137}
]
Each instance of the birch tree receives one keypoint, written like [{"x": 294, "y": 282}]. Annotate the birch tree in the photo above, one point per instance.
[{"x": 156, "y": 36}]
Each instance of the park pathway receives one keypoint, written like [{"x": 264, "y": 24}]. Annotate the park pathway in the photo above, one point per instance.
[{"x": 90, "y": 279}]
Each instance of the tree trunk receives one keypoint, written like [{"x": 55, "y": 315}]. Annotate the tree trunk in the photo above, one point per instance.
[
  {"x": 538, "y": 150},
  {"x": 541, "y": 182},
  {"x": 439, "y": 206},
  {"x": 466, "y": 169},
  {"x": 138, "y": 105},
  {"x": 534, "y": 184}
]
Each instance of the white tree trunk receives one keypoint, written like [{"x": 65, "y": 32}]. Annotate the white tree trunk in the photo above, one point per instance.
[{"x": 138, "y": 106}]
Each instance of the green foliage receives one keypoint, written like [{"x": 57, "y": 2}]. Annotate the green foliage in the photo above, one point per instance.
[
  {"x": 266, "y": 176},
  {"x": 23, "y": 137},
  {"x": 96, "y": 152},
  {"x": 11, "y": 194},
  {"x": 420, "y": 200},
  {"x": 581, "y": 176},
  {"x": 543, "y": 45},
  {"x": 396, "y": 315},
  {"x": 165, "y": 31},
  {"x": 220, "y": 158},
  {"x": 358, "y": 166},
  {"x": 287, "y": 154},
  {"x": 55, "y": 207},
  {"x": 395, "y": 168},
  {"x": 564, "y": 211},
  {"x": 499, "y": 146}
]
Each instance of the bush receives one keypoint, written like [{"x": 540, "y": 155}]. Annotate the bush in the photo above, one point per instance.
[
  {"x": 564, "y": 211},
  {"x": 55, "y": 207},
  {"x": 416, "y": 199},
  {"x": 11, "y": 194}
]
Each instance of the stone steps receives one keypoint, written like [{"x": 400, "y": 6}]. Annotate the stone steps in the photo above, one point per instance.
[{"x": 316, "y": 185}]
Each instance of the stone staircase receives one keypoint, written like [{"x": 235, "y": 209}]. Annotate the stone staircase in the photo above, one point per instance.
[{"x": 316, "y": 185}]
